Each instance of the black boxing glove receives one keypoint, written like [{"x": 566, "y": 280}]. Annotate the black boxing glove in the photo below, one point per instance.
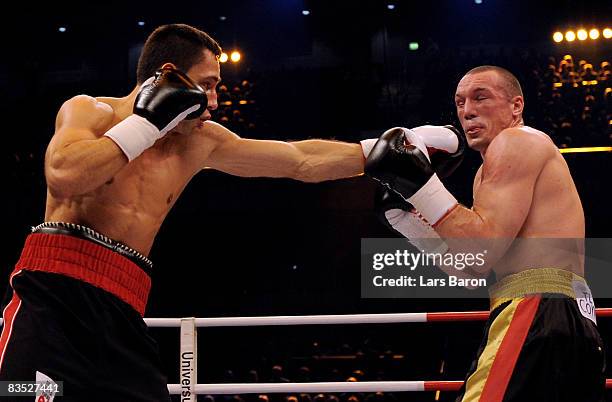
[
  {"x": 400, "y": 161},
  {"x": 446, "y": 146},
  {"x": 161, "y": 104}
]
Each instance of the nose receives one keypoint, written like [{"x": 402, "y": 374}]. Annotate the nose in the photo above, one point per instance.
[
  {"x": 469, "y": 111},
  {"x": 212, "y": 100}
]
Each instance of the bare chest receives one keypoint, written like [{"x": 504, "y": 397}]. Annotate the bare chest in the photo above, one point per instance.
[{"x": 148, "y": 185}]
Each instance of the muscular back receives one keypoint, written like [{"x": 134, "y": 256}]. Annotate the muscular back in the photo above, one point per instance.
[{"x": 126, "y": 202}]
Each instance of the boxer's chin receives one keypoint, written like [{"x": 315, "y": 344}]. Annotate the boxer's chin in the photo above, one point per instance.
[
  {"x": 187, "y": 126},
  {"x": 475, "y": 143}
]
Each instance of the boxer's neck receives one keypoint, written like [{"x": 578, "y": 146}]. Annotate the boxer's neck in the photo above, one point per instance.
[{"x": 125, "y": 105}]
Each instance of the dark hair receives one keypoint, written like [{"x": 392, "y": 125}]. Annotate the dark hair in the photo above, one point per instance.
[
  {"x": 510, "y": 82},
  {"x": 179, "y": 44}
]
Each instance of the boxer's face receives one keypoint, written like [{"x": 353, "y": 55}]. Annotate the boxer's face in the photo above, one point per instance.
[
  {"x": 484, "y": 108},
  {"x": 207, "y": 74}
]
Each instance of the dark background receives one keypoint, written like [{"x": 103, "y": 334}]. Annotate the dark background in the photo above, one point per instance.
[{"x": 234, "y": 246}]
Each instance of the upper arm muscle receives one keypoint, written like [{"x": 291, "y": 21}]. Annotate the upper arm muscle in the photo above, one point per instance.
[
  {"x": 81, "y": 118},
  {"x": 512, "y": 165}
]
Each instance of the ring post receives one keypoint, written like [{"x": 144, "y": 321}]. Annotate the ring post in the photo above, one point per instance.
[{"x": 188, "y": 370}]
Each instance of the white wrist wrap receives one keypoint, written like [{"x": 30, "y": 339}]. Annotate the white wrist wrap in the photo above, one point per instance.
[
  {"x": 133, "y": 135},
  {"x": 367, "y": 145},
  {"x": 418, "y": 232},
  {"x": 433, "y": 200}
]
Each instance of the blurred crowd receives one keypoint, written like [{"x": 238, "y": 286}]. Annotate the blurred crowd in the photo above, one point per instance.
[
  {"x": 237, "y": 106},
  {"x": 565, "y": 96},
  {"x": 575, "y": 100}
]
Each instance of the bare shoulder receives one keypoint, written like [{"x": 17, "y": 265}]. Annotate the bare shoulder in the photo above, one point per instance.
[
  {"x": 213, "y": 134},
  {"x": 197, "y": 148},
  {"x": 84, "y": 111},
  {"x": 216, "y": 131},
  {"x": 517, "y": 151},
  {"x": 522, "y": 143}
]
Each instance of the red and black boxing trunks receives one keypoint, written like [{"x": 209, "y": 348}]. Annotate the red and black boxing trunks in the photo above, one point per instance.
[{"x": 73, "y": 314}]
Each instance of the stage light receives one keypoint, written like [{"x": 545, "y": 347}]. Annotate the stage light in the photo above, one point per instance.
[
  {"x": 413, "y": 46},
  {"x": 558, "y": 37},
  {"x": 570, "y": 36},
  {"x": 235, "y": 56},
  {"x": 141, "y": 23},
  {"x": 582, "y": 34},
  {"x": 594, "y": 33},
  {"x": 391, "y": 6},
  {"x": 607, "y": 33},
  {"x": 223, "y": 58},
  {"x": 62, "y": 29},
  {"x": 305, "y": 12}
]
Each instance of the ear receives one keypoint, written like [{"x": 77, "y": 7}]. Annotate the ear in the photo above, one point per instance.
[
  {"x": 518, "y": 103},
  {"x": 169, "y": 65}
]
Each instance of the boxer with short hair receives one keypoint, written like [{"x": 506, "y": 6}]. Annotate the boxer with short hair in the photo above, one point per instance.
[
  {"x": 114, "y": 169},
  {"x": 540, "y": 342}
]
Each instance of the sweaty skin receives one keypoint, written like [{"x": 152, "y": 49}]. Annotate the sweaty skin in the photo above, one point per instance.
[
  {"x": 523, "y": 188},
  {"x": 90, "y": 182}
]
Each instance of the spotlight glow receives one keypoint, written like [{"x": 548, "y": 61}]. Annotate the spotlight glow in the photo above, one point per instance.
[
  {"x": 570, "y": 36},
  {"x": 558, "y": 37},
  {"x": 582, "y": 34},
  {"x": 223, "y": 58},
  {"x": 62, "y": 29},
  {"x": 594, "y": 33},
  {"x": 391, "y": 6},
  {"x": 141, "y": 23},
  {"x": 235, "y": 56},
  {"x": 607, "y": 33},
  {"x": 305, "y": 12}
]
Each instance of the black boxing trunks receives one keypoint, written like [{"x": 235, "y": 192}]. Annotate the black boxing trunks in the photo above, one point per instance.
[
  {"x": 541, "y": 342},
  {"x": 73, "y": 314}
]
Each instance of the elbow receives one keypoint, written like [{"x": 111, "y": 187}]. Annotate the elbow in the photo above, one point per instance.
[
  {"x": 61, "y": 182},
  {"x": 480, "y": 272}
]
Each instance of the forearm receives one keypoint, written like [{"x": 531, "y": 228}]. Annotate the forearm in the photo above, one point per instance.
[
  {"x": 462, "y": 222},
  {"x": 83, "y": 166},
  {"x": 466, "y": 230},
  {"x": 328, "y": 160}
]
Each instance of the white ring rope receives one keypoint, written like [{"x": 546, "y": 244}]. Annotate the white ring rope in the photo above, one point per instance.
[
  {"x": 292, "y": 320},
  {"x": 334, "y": 319},
  {"x": 189, "y": 389},
  {"x": 316, "y": 387}
]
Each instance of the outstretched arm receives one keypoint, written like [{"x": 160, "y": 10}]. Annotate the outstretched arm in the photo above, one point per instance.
[{"x": 309, "y": 160}]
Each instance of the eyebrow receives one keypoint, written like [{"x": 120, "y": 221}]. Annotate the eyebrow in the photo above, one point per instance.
[
  {"x": 479, "y": 89},
  {"x": 214, "y": 78}
]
